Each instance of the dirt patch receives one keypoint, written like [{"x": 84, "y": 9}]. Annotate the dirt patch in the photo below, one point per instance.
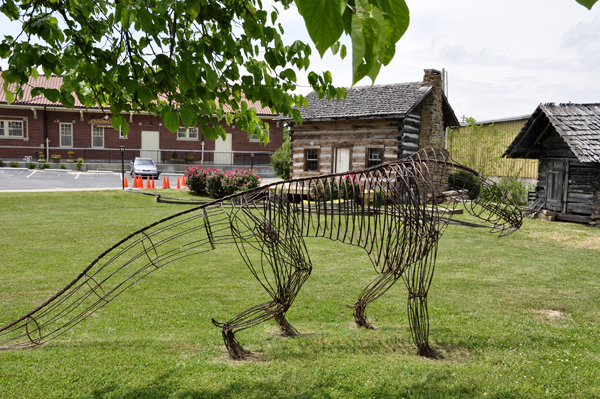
[
  {"x": 551, "y": 315},
  {"x": 570, "y": 240}
]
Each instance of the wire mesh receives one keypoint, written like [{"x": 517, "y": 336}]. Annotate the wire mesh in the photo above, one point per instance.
[{"x": 393, "y": 211}]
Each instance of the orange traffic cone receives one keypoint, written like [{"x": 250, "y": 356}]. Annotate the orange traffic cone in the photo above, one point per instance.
[
  {"x": 183, "y": 181},
  {"x": 140, "y": 182},
  {"x": 164, "y": 182},
  {"x": 135, "y": 182},
  {"x": 168, "y": 183},
  {"x": 125, "y": 182},
  {"x": 148, "y": 186},
  {"x": 152, "y": 181},
  {"x": 178, "y": 186}
]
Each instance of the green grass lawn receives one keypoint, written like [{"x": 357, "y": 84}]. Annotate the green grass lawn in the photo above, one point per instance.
[{"x": 512, "y": 317}]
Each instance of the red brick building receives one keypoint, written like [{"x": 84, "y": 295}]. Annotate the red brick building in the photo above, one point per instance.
[{"x": 33, "y": 125}]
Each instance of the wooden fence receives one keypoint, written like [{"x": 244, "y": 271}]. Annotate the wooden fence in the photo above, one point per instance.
[{"x": 481, "y": 147}]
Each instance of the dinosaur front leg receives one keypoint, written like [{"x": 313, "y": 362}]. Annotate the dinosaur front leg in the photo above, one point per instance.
[
  {"x": 374, "y": 290},
  {"x": 418, "y": 279},
  {"x": 418, "y": 318}
]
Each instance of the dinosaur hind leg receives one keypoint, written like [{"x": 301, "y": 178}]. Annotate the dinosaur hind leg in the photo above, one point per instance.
[
  {"x": 247, "y": 319},
  {"x": 374, "y": 290}
]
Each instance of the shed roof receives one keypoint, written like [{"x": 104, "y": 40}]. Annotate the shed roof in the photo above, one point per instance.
[
  {"x": 55, "y": 82},
  {"x": 368, "y": 102},
  {"x": 577, "y": 124}
]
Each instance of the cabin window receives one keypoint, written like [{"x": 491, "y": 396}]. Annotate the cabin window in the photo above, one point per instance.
[
  {"x": 374, "y": 156},
  {"x": 311, "y": 160},
  {"x": 66, "y": 135}
]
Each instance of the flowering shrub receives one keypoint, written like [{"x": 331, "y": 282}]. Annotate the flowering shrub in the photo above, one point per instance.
[
  {"x": 347, "y": 187},
  {"x": 350, "y": 187},
  {"x": 219, "y": 183}
]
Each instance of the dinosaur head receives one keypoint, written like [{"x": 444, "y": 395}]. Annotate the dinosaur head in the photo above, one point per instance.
[{"x": 488, "y": 202}]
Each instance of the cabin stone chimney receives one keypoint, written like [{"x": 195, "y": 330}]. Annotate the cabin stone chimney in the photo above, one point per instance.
[{"x": 432, "y": 116}]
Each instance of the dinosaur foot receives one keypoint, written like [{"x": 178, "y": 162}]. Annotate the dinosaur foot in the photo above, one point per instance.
[
  {"x": 360, "y": 317},
  {"x": 286, "y": 328},
  {"x": 233, "y": 346},
  {"x": 427, "y": 351}
]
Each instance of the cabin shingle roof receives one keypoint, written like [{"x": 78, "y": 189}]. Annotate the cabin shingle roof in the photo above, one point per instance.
[
  {"x": 577, "y": 124},
  {"x": 379, "y": 101}
]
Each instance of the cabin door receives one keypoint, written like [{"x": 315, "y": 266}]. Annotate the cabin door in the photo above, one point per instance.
[
  {"x": 342, "y": 160},
  {"x": 556, "y": 185}
]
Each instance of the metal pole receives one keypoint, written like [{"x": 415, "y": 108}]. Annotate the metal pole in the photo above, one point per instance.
[
  {"x": 252, "y": 162},
  {"x": 122, "y": 167}
]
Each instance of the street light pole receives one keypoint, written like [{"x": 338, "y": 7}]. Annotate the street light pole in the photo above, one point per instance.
[{"x": 122, "y": 166}]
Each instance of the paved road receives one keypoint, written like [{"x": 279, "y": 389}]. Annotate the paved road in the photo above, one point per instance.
[{"x": 18, "y": 179}]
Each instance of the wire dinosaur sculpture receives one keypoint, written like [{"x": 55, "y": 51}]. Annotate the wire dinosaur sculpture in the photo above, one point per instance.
[{"x": 391, "y": 210}]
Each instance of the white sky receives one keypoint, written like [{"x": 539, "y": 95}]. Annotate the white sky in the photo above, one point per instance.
[{"x": 503, "y": 57}]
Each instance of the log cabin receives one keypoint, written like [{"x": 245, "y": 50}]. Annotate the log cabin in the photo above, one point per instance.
[
  {"x": 373, "y": 124},
  {"x": 565, "y": 138}
]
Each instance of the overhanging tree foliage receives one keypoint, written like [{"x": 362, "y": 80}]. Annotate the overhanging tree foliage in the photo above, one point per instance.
[{"x": 190, "y": 61}]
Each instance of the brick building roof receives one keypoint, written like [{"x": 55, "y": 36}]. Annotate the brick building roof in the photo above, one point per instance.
[
  {"x": 577, "y": 124},
  {"x": 54, "y": 82}
]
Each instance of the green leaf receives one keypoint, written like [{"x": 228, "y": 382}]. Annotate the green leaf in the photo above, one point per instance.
[
  {"x": 117, "y": 121},
  {"x": 10, "y": 96},
  {"x": 171, "y": 120},
  {"x": 397, "y": 19},
  {"x": 343, "y": 51},
  {"x": 187, "y": 115},
  {"x": 52, "y": 95},
  {"x": 212, "y": 79},
  {"x": 323, "y": 19},
  {"x": 358, "y": 49},
  {"x": 587, "y": 3}
]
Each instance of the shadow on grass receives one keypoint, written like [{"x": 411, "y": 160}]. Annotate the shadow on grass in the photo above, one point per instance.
[{"x": 436, "y": 384}]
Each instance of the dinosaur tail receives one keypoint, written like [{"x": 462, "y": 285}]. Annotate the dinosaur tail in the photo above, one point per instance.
[{"x": 131, "y": 259}]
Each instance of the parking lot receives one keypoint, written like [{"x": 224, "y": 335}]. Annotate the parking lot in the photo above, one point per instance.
[{"x": 20, "y": 179}]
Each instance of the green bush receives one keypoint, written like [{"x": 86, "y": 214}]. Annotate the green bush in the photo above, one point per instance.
[
  {"x": 514, "y": 189},
  {"x": 465, "y": 181},
  {"x": 79, "y": 163},
  {"x": 280, "y": 160},
  {"x": 31, "y": 165},
  {"x": 345, "y": 188},
  {"x": 62, "y": 166},
  {"x": 14, "y": 164},
  {"x": 1, "y": 162},
  {"x": 45, "y": 165}
]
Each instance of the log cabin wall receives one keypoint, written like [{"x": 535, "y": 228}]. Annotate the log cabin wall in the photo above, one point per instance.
[{"x": 358, "y": 135}]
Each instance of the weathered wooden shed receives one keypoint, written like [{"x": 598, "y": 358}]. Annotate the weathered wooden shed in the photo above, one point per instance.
[
  {"x": 566, "y": 140},
  {"x": 373, "y": 124}
]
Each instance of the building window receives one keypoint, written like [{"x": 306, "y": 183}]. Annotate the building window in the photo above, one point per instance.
[
  {"x": 11, "y": 129},
  {"x": 374, "y": 156},
  {"x": 121, "y": 135},
  {"x": 97, "y": 136},
  {"x": 187, "y": 134},
  {"x": 311, "y": 163},
  {"x": 254, "y": 137},
  {"x": 66, "y": 135}
]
